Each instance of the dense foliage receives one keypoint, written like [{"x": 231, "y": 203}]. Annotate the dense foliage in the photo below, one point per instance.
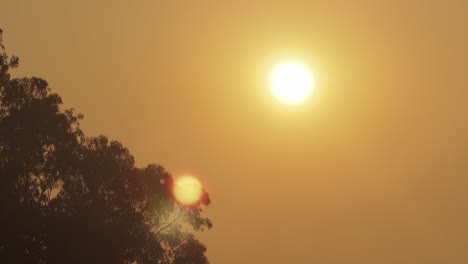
[{"x": 68, "y": 198}]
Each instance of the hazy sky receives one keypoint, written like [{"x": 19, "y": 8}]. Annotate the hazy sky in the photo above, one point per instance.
[{"x": 371, "y": 170}]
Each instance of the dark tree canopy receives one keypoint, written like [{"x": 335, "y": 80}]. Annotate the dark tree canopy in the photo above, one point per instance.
[{"x": 68, "y": 198}]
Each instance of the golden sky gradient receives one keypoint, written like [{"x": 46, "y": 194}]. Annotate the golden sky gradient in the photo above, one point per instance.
[{"x": 372, "y": 169}]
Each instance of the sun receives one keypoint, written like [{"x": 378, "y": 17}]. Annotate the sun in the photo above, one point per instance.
[
  {"x": 187, "y": 190},
  {"x": 291, "y": 82}
]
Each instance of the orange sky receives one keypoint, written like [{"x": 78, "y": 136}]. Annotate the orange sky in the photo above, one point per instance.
[{"x": 372, "y": 169}]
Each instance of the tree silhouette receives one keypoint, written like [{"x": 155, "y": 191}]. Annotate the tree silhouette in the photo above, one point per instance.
[{"x": 68, "y": 198}]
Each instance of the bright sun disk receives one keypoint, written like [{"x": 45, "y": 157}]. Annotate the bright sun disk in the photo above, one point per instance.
[{"x": 291, "y": 82}]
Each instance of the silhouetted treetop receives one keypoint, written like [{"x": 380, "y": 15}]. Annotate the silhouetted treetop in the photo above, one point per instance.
[{"x": 69, "y": 198}]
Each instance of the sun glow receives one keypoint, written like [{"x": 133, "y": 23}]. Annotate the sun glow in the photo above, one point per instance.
[
  {"x": 291, "y": 82},
  {"x": 187, "y": 190}
]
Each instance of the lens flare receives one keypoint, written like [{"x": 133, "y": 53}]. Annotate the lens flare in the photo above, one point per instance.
[{"x": 187, "y": 190}]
